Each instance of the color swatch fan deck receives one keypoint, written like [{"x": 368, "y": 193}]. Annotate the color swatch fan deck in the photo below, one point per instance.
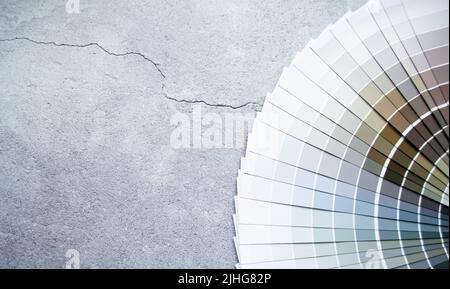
[{"x": 347, "y": 164}]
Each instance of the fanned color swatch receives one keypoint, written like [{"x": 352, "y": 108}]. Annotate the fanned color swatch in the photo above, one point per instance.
[{"x": 347, "y": 165}]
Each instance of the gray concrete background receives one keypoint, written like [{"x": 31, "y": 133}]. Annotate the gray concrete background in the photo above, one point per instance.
[{"x": 85, "y": 158}]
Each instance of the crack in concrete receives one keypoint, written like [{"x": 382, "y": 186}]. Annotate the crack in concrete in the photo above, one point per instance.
[
  {"x": 155, "y": 64},
  {"x": 213, "y": 104},
  {"x": 95, "y": 44}
]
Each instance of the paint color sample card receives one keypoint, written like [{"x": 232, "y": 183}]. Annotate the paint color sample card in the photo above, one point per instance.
[{"x": 347, "y": 164}]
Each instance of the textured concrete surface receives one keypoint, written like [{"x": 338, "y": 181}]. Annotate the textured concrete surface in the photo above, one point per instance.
[{"x": 85, "y": 106}]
